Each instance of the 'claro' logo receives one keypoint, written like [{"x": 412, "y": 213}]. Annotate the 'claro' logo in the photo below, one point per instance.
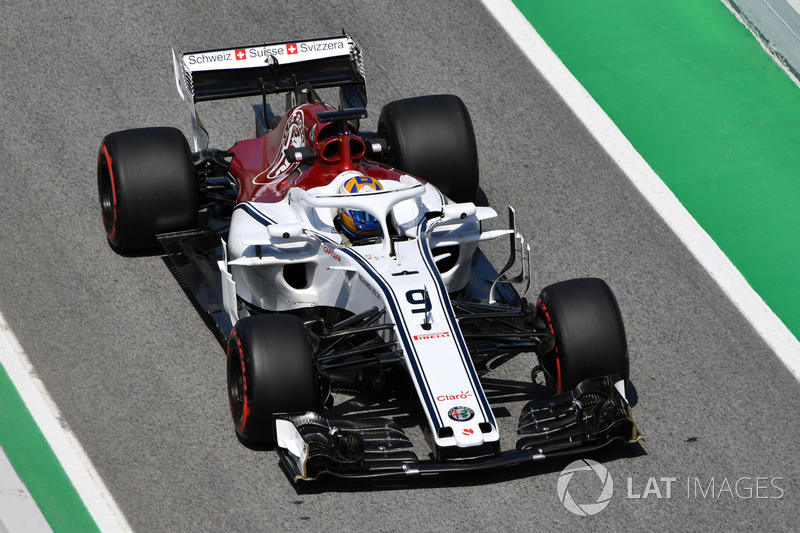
[
  {"x": 585, "y": 509},
  {"x": 462, "y": 396}
]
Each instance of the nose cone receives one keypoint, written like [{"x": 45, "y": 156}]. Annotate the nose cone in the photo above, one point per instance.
[{"x": 467, "y": 435}]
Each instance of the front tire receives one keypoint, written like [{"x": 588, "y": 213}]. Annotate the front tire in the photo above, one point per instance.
[
  {"x": 147, "y": 185},
  {"x": 431, "y": 137},
  {"x": 584, "y": 317},
  {"x": 271, "y": 370}
]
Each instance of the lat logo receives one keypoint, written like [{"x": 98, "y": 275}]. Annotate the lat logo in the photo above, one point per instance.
[
  {"x": 240, "y": 54},
  {"x": 291, "y": 48}
]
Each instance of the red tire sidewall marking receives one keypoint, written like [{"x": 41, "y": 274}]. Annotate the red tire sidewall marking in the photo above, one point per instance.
[
  {"x": 245, "y": 407},
  {"x": 246, "y": 403},
  {"x": 111, "y": 236},
  {"x": 552, "y": 332}
]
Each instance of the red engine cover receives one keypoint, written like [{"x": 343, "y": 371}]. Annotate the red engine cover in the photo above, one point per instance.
[{"x": 265, "y": 174}]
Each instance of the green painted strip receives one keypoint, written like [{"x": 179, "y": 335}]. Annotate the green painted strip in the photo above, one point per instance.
[
  {"x": 708, "y": 109},
  {"x": 37, "y": 466}
]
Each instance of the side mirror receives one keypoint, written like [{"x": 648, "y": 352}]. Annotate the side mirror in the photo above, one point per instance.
[
  {"x": 285, "y": 231},
  {"x": 455, "y": 212}
]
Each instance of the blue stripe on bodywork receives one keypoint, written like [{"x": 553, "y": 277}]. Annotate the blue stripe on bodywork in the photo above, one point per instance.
[
  {"x": 255, "y": 214},
  {"x": 444, "y": 297}
]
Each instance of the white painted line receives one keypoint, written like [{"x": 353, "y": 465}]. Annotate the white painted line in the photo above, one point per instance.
[
  {"x": 752, "y": 306},
  {"x": 18, "y": 510},
  {"x": 65, "y": 446}
]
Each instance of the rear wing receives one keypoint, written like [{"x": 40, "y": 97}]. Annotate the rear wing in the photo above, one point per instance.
[{"x": 271, "y": 68}]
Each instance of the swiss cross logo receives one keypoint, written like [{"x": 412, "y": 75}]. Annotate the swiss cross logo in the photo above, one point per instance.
[
  {"x": 241, "y": 54},
  {"x": 291, "y": 48}
]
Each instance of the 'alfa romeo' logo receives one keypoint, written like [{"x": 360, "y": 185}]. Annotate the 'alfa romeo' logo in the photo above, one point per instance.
[
  {"x": 585, "y": 509},
  {"x": 461, "y": 414}
]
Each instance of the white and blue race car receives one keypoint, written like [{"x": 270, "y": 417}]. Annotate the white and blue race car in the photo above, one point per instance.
[{"x": 342, "y": 268}]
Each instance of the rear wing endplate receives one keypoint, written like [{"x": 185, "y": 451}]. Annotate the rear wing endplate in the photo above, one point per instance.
[{"x": 263, "y": 69}]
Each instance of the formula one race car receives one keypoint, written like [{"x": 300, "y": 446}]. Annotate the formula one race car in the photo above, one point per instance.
[{"x": 340, "y": 264}]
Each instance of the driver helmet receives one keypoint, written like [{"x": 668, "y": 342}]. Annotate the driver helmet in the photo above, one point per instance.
[{"x": 359, "y": 224}]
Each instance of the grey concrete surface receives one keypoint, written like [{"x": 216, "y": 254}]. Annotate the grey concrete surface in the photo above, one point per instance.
[{"x": 777, "y": 25}]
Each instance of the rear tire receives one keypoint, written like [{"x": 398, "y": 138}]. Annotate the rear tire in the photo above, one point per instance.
[
  {"x": 271, "y": 370},
  {"x": 431, "y": 137},
  {"x": 147, "y": 185},
  {"x": 584, "y": 317}
]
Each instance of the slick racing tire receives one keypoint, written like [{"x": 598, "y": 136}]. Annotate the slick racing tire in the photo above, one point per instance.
[
  {"x": 270, "y": 370},
  {"x": 431, "y": 137},
  {"x": 584, "y": 317},
  {"x": 147, "y": 185}
]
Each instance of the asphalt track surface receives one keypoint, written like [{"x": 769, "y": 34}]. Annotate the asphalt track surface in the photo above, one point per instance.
[{"x": 140, "y": 379}]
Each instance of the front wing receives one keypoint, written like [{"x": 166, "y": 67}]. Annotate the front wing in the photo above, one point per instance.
[{"x": 591, "y": 416}]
